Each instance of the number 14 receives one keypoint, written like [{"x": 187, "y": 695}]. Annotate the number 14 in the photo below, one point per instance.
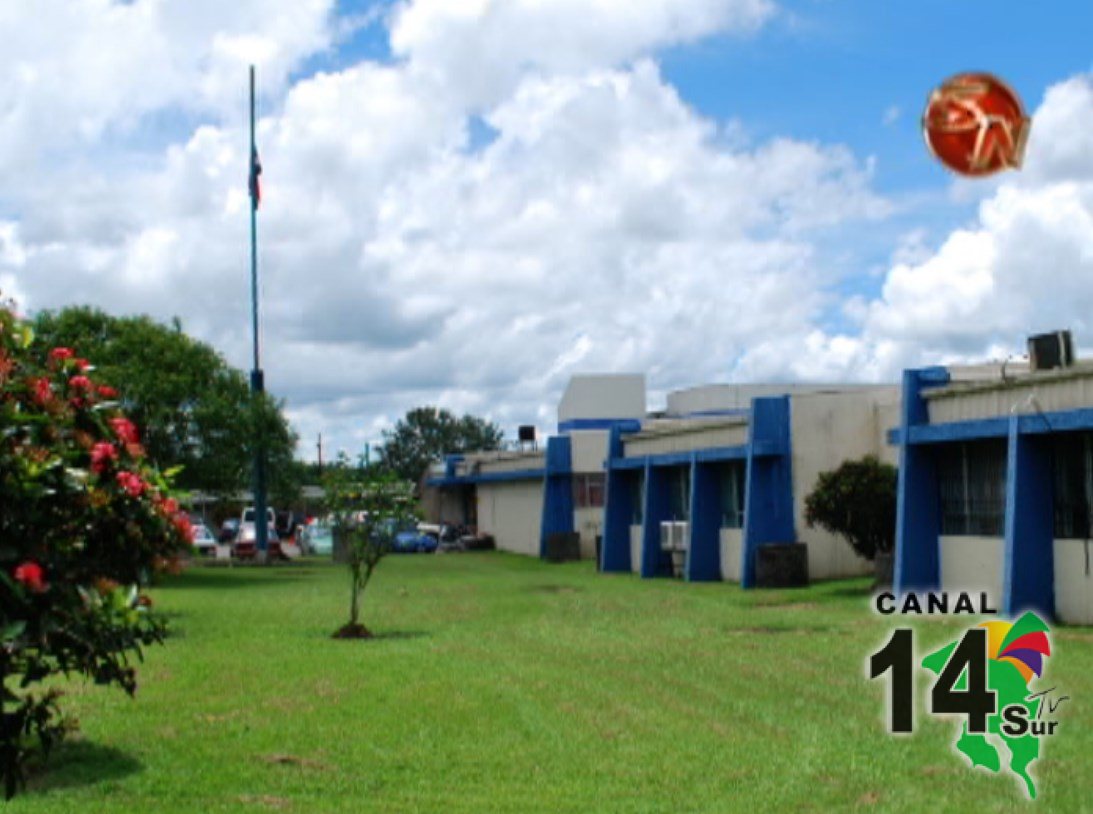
[{"x": 970, "y": 656}]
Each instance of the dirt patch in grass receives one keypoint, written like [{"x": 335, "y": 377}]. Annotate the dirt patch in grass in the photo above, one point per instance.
[
  {"x": 772, "y": 629},
  {"x": 351, "y": 631},
  {"x": 788, "y": 606},
  {"x": 293, "y": 760}
]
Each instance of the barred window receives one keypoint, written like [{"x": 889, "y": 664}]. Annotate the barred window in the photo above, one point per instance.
[
  {"x": 588, "y": 490},
  {"x": 637, "y": 497},
  {"x": 731, "y": 485},
  {"x": 679, "y": 493},
  {"x": 1073, "y": 485},
  {"x": 972, "y": 482}
]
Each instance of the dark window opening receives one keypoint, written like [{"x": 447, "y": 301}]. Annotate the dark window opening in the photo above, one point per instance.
[
  {"x": 588, "y": 490},
  {"x": 731, "y": 492},
  {"x": 637, "y": 498},
  {"x": 679, "y": 493},
  {"x": 972, "y": 482},
  {"x": 1074, "y": 486}
]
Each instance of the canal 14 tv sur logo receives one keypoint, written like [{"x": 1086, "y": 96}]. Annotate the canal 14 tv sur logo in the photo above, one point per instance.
[{"x": 991, "y": 676}]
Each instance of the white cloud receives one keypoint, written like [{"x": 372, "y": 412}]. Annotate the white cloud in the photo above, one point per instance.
[
  {"x": 606, "y": 227},
  {"x": 80, "y": 70},
  {"x": 1023, "y": 266},
  {"x": 478, "y": 49}
]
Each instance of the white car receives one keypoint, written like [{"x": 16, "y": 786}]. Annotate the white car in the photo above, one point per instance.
[{"x": 204, "y": 541}]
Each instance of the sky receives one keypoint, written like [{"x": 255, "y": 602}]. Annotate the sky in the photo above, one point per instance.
[{"x": 465, "y": 202}]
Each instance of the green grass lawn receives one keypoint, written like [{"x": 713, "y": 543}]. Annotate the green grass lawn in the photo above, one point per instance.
[{"x": 502, "y": 684}]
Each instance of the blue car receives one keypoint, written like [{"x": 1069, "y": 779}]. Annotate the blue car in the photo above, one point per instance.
[{"x": 412, "y": 541}]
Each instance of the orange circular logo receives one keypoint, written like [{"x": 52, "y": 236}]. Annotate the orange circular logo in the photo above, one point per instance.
[{"x": 974, "y": 124}]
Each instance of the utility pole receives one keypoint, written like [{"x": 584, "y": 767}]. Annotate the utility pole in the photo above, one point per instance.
[
  {"x": 257, "y": 378},
  {"x": 320, "y": 445}
]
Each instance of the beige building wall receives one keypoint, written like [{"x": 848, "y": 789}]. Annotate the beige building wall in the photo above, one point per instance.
[
  {"x": 504, "y": 462},
  {"x": 610, "y": 395},
  {"x": 1063, "y": 389},
  {"x": 588, "y": 451},
  {"x": 588, "y": 523},
  {"x": 635, "y": 549},
  {"x": 1074, "y": 581},
  {"x": 512, "y": 512},
  {"x": 732, "y": 543},
  {"x": 657, "y": 438},
  {"x": 826, "y": 430},
  {"x": 973, "y": 564}
]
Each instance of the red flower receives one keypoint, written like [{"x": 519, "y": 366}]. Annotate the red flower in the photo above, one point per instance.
[
  {"x": 170, "y": 506},
  {"x": 82, "y": 364},
  {"x": 43, "y": 391},
  {"x": 79, "y": 383},
  {"x": 184, "y": 526},
  {"x": 107, "y": 392},
  {"x": 125, "y": 430},
  {"x": 61, "y": 354},
  {"x": 131, "y": 483},
  {"x": 30, "y": 575},
  {"x": 102, "y": 455}
]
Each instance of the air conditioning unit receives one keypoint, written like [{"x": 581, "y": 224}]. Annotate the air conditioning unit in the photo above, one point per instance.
[
  {"x": 674, "y": 535},
  {"x": 681, "y": 535},
  {"x": 666, "y": 531},
  {"x": 1048, "y": 351}
]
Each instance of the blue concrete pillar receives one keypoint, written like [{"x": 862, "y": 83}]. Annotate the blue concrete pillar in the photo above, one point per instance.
[
  {"x": 704, "y": 552},
  {"x": 557, "y": 491},
  {"x": 617, "y": 511},
  {"x": 1029, "y": 570},
  {"x": 768, "y": 495},
  {"x": 918, "y": 520},
  {"x": 654, "y": 562}
]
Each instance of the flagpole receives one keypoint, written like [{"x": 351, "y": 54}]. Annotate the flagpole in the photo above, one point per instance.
[{"x": 257, "y": 382}]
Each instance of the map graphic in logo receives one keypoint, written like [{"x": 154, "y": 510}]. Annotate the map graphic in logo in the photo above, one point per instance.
[{"x": 1013, "y": 711}]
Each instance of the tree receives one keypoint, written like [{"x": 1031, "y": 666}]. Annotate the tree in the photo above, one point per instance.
[
  {"x": 427, "y": 433},
  {"x": 857, "y": 501},
  {"x": 197, "y": 411},
  {"x": 85, "y": 518},
  {"x": 369, "y": 505}
]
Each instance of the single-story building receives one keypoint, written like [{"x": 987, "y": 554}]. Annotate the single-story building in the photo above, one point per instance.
[
  {"x": 728, "y": 466},
  {"x": 996, "y": 486},
  {"x": 522, "y": 496}
]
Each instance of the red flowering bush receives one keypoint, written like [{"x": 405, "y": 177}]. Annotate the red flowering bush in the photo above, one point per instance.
[{"x": 83, "y": 521}]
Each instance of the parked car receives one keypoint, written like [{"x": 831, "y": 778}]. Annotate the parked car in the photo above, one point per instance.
[
  {"x": 204, "y": 541},
  {"x": 245, "y": 545},
  {"x": 410, "y": 541},
  {"x": 229, "y": 530},
  {"x": 320, "y": 539}
]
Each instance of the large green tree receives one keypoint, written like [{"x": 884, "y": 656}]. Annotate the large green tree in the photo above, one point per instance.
[
  {"x": 196, "y": 411},
  {"x": 426, "y": 433}
]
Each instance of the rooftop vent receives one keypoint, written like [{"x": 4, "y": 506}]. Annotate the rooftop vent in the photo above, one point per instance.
[{"x": 1048, "y": 351}]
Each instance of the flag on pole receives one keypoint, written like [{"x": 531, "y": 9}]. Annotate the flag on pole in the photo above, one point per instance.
[{"x": 255, "y": 179}]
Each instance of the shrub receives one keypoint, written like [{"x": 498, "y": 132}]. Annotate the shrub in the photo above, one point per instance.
[
  {"x": 857, "y": 501},
  {"x": 84, "y": 520}
]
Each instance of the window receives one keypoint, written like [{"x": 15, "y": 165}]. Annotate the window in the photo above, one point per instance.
[
  {"x": 1073, "y": 486},
  {"x": 731, "y": 494},
  {"x": 588, "y": 491},
  {"x": 636, "y": 483},
  {"x": 972, "y": 482},
  {"x": 679, "y": 493}
]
